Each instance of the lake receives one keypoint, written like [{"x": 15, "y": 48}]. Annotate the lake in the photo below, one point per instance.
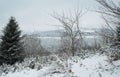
[{"x": 53, "y": 43}]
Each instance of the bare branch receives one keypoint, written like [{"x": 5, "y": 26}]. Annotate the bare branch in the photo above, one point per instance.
[
  {"x": 70, "y": 24},
  {"x": 107, "y": 23}
]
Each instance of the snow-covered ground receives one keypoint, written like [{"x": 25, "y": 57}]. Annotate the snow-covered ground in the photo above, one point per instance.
[{"x": 94, "y": 66}]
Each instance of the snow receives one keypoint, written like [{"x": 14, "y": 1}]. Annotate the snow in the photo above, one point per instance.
[
  {"x": 24, "y": 73},
  {"x": 94, "y": 66}
]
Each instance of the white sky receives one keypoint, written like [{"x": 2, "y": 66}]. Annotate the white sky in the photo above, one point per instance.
[{"x": 33, "y": 15}]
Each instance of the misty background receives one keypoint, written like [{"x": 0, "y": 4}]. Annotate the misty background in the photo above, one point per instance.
[{"x": 36, "y": 15}]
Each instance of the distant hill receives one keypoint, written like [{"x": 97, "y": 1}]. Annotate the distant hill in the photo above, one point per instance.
[{"x": 58, "y": 33}]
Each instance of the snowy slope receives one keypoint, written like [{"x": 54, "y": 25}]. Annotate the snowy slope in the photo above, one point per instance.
[{"x": 95, "y": 66}]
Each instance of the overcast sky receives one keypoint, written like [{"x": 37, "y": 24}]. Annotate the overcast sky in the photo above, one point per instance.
[{"x": 34, "y": 15}]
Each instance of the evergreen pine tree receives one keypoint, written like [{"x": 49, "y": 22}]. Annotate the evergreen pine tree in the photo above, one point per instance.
[{"x": 11, "y": 49}]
